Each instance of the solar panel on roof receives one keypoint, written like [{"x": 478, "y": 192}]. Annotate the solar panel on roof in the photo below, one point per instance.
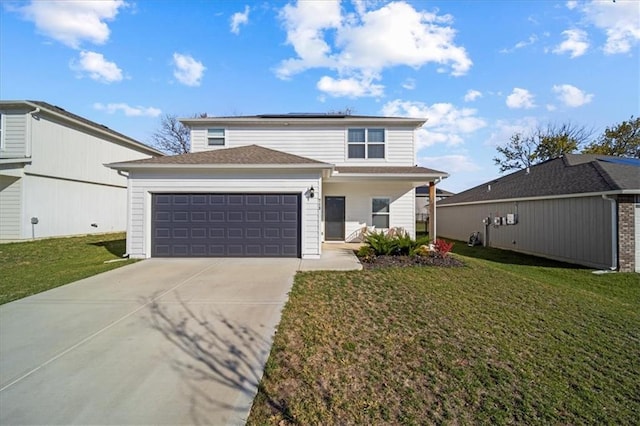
[{"x": 623, "y": 160}]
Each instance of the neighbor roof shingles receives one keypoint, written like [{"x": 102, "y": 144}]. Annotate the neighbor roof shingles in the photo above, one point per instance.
[
  {"x": 251, "y": 154},
  {"x": 570, "y": 174}
]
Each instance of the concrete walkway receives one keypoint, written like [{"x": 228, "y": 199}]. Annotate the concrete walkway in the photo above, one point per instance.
[{"x": 163, "y": 341}]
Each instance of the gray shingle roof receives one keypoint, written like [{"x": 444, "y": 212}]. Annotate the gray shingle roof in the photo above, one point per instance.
[
  {"x": 388, "y": 170},
  {"x": 570, "y": 174},
  {"x": 247, "y": 155}
]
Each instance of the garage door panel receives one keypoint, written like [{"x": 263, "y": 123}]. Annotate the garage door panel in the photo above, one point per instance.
[{"x": 219, "y": 225}]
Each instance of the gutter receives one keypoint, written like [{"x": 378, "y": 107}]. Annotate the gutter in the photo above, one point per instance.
[
  {"x": 212, "y": 166},
  {"x": 614, "y": 232},
  {"x": 546, "y": 197}
]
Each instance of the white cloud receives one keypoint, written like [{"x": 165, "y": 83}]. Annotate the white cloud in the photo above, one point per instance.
[
  {"x": 450, "y": 163},
  {"x": 576, "y": 43},
  {"x": 520, "y": 98},
  {"x": 96, "y": 67},
  {"x": 409, "y": 84},
  {"x": 239, "y": 18},
  {"x": 551, "y": 107},
  {"x": 502, "y": 130},
  {"x": 472, "y": 95},
  {"x": 187, "y": 70},
  {"x": 363, "y": 44},
  {"x": 519, "y": 45},
  {"x": 129, "y": 111},
  {"x": 445, "y": 123},
  {"x": 73, "y": 21},
  {"x": 349, "y": 87},
  {"x": 572, "y": 4},
  {"x": 571, "y": 96},
  {"x": 619, "y": 20}
]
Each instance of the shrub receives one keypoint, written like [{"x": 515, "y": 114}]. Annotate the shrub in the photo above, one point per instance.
[
  {"x": 366, "y": 254},
  {"x": 442, "y": 247},
  {"x": 381, "y": 244},
  {"x": 395, "y": 243}
]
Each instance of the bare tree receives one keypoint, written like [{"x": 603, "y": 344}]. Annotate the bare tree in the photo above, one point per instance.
[
  {"x": 173, "y": 137},
  {"x": 345, "y": 111}
]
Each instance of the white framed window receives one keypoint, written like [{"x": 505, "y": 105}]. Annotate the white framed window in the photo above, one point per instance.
[
  {"x": 215, "y": 137},
  {"x": 366, "y": 143},
  {"x": 380, "y": 209}
]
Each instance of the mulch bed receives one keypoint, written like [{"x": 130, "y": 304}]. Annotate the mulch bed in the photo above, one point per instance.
[{"x": 377, "y": 262}]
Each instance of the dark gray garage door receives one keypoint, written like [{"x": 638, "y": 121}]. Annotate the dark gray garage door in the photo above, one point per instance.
[{"x": 225, "y": 225}]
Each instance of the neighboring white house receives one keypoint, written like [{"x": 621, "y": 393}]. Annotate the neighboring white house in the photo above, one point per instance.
[
  {"x": 275, "y": 185},
  {"x": 52, "y": 176}
]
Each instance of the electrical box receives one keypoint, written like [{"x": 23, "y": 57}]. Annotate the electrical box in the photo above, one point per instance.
[
  {"x": 496, "y": 221},
  {"x": 512, "y": 219},
  {"x": 486, "y": 221}
]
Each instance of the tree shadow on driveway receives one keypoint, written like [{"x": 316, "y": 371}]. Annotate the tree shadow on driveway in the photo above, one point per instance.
[{"x": 218, "y": 350}]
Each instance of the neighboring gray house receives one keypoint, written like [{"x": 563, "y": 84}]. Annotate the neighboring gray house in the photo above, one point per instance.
[
  {"x": 275, "y": 185},
  {"x": 52, "y": 176},
  {"x": 579, "y": 208}
]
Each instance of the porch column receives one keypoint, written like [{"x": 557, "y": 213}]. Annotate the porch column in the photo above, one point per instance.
[{"x": 432, "y": 211}]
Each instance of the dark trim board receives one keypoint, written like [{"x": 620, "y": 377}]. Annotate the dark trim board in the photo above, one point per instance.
[{"x": 226, "y": 225}]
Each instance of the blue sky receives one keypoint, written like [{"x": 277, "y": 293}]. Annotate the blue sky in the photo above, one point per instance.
[{"x": 478, "y": 70}]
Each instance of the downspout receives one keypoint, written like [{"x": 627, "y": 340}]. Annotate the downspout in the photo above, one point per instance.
[
  {"x": 614, "y": 232},
  {"x": 33, "y": 113}
]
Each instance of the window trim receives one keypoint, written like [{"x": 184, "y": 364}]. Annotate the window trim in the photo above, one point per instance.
[
  {"x": 387, "y": 214},
  {"x": 2, "y": 130},
  {"x": 366, "y": 143},
  {"x": 223, "y": 138}
]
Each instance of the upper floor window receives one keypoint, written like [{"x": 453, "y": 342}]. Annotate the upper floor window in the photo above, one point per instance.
[
  {"x": 215, "y": 137},
  {"x": 366, "y": 143}
]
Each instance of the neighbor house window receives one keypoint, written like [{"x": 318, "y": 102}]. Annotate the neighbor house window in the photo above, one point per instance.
[
  {"x": 380, "y": 212},
  {"x": 215, "y": 137},
  {"x": 365, "y": 143}
]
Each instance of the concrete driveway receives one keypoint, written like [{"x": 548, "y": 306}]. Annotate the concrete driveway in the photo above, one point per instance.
[{"x": 163, "y": 341}]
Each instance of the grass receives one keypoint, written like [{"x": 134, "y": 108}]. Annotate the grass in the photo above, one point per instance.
[
  {"x": 32, "y": 267},
  {"x": 505, "y": 339}
]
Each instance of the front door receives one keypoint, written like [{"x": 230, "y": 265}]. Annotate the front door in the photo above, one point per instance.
[{"x": 334, "y": 218}]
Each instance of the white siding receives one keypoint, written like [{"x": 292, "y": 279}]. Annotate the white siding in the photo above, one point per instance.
[
  {"x": 10, "y": 207},
  {"x": 60, "y": 150},
  {"x": 14, "y": 134},
  {"x": 143, "y": 184},
  {"x": 358, "y": 204},
  {"x": 326, "y": 144},
  {"x": 69, "y": 208}
]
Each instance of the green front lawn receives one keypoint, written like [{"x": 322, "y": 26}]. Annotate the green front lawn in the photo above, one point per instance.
[
  {"x": 31, "y": 267},
  {"x": 499, "y": 341}
]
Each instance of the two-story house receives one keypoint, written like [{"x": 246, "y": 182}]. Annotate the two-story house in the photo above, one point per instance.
[
  {"x": 52, "y": 176},
  {"x": 275, "y": 185}
]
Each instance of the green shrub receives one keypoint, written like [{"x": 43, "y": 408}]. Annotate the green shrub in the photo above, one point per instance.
[
  {"x": 396, "y": 242},
  {"x": 381, "y": 244},
  {"x": 366, "y": 254}
]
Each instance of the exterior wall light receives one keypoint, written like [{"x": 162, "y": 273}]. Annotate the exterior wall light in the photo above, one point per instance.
[{"x": 311, "y": 192}]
